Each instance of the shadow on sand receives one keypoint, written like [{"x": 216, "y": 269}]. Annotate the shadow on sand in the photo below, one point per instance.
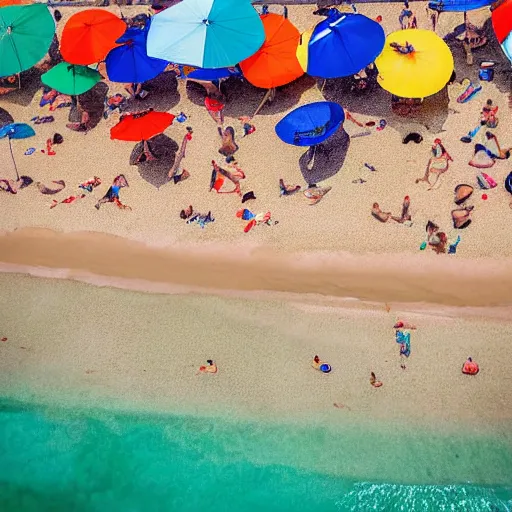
[
  {"x": 328, "y": 158},
  {"x": 156, "y": 172},
  {"x": 5, "y": 117},
  {"x": 434, "y": 112},
  {"x": 243, "y": 98},
  {"x": 30, "y": 84},
  {"x": 163, "y": 94}
]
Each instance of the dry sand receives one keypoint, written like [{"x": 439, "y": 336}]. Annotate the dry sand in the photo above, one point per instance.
[{"x": 332, "y": 249}]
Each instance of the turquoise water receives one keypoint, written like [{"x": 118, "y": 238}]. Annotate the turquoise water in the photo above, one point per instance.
[{"x": 56, "y": 459}]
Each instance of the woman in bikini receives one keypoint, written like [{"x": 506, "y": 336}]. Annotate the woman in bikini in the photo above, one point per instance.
[{"x": 438, "y": 164}]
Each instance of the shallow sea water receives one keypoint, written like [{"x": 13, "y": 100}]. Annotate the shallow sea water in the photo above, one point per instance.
[{"x": 54, "y": 459}]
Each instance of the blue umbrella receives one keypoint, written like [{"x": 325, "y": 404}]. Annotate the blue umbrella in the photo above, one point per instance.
[
  {"x": 310, "y": 124},
  {"x": 16, "y": 131},
  {"x": 341, "y": 45},
  {"x": 130, "y": 62},
  {"x": 458, "y": 5}
]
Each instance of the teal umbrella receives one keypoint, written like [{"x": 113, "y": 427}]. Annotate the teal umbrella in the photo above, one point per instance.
[
  {"x": 71, "y": 79},
  {"x": 16, "y": 131},
  {"x": 206, "y": 33},
  {"x": 26, "y": 32}
]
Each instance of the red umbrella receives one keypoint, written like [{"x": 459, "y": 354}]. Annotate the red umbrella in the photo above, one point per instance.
[
  {"x": 89, "y": 35},
  {"x": 141, "y": 125}
]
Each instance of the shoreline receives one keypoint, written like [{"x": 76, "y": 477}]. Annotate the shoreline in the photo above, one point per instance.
[{"x": 108, "y": 260}]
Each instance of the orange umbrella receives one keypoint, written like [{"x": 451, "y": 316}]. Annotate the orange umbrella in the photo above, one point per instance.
[
  {"x": 275, "y": 63},
  {"x": 89, "y": 35},
  {"x": 5, "y": 3}
]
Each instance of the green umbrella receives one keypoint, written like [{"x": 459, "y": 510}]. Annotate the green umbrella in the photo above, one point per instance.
[
  {"x": 71, "y": 79},
  {"x": 26, "y": 32}
]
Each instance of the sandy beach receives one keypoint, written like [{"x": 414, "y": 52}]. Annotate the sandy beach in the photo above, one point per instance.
[{"x": 115, "y": 310}]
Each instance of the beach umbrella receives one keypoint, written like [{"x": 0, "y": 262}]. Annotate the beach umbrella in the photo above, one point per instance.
[
  {"x": 89, "y": 35},
  {"x": 414, "y": 63},
  {"x": 458, "y": 5},
  {"x": 275, "y": 63},
  {"x": 16, "y": 131},
  {"x": 341, "y": 45},
  {"x": 206, "y": 33},
  {"x": 310, "y": 124},
  {"x": 5, "y": 3},
  {"x": 141, "y": 126},
  {"x": 502, "y": 24},
  {"x": 71, "y": 79},
  {"x": 129, "y": 63},
  {"x": 26, "y": 32}
]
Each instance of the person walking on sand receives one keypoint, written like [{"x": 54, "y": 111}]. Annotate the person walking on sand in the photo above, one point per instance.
[{"x": 211, "y": 367}]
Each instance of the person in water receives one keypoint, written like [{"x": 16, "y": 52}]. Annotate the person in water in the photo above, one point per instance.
[
  {"x": 438, "y": 164},
  {"x": 211, "y": 367},
  {"x": 374, "y": 382},
  {"x": 470, "y": 367}
]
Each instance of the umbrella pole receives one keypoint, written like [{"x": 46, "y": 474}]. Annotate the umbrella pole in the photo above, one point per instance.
[
  {"x": 14, "y": 161},
  {"x": 323, "y": 85},
  {"x": 267, "y": 96}
]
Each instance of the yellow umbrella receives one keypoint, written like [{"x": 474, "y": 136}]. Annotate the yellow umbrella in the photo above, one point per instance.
[{"x": 414, "y": 63}]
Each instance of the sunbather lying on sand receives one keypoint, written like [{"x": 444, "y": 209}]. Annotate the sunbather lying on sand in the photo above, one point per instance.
[
  {"x": 12, "y": 186},
  {"x": 228, "y": 145},
  {"x": 385, "y": 216},
  {"x": 460, "y": 217},
  {"x": 219, "y": 175},
  {"x": 214, "y": 104},
  {"x": 211, "y": 367}
]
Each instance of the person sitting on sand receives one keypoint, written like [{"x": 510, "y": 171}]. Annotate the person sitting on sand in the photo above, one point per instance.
[
  {"x": 135, "y": 91},
  {"x": 460, "y": 217},
  {"x": 436, "y": 239},
  {"x": 470, "y": 367},
  {"x": 112, "y": 195},
  {"x": 385, "y": 216},
  {"x": 215, "y": 103},
  {"x": 321, "y": 366},
  {"x": 407, "y": 18},
  {"x": 228, "y": 145},
  {"x": 438, "y": 164},
  {"x": 211, "y": 367},
  {"x": 84, "y": 124},
  {"x": 374, "y": 382}
]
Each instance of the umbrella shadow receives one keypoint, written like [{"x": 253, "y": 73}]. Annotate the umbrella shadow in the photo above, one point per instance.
[
  {"x": 328, "y": 160},
  {"x": 163, "y": 94},
  {"x": 243, "y": 98},
  {"x": 30, "y": 85},
  {"x": 93, "y": 102},
  {"x": 5, "y": 118},
  {"x": 491, "y": 51},
  {"x": 156, "y": 171},
  {"x": 376, "y": 103}
]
